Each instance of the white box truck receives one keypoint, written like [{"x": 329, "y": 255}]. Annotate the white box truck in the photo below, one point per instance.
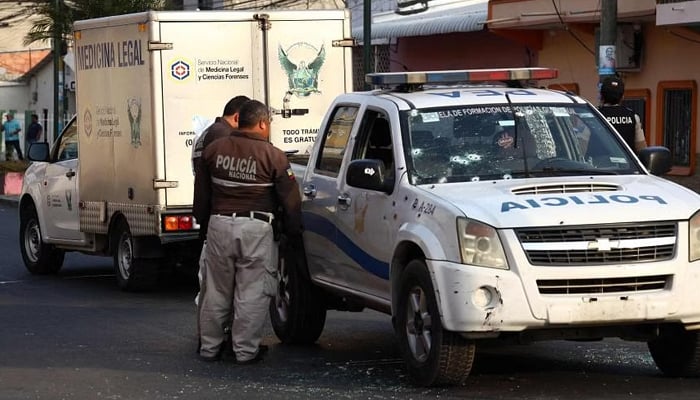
[{"x": 118, "y": 181}]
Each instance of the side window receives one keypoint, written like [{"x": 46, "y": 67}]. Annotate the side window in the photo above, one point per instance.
[
  {"x": 374, "y": 139},
  {"x": 68, "y": 144},
  {"x": 375, "y": 142},
  {"x": 335, "y": 139}
]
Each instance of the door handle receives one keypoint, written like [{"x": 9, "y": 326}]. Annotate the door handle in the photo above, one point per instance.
[
  {"x": 344, "y": 200},
  {"x": 310, "y": 191},
  {"x": 70, "y": 173}
]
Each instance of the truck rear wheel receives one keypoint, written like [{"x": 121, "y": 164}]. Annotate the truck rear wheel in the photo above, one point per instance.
[
  {"x": 39, "y": 258},
  {"x": 433, "y": 355},
  {"x": 676, "y": 351},
  {"x": 298, "y": 311},
  {"x": 133, "y": 274}
]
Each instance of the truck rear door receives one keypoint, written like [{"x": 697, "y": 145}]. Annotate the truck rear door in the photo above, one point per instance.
[
  {"x": 198, "y": 77},
  {"x": 306, "y": 72}
]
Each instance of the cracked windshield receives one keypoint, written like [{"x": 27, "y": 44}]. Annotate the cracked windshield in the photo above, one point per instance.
[{"x": 463, "y": 144}]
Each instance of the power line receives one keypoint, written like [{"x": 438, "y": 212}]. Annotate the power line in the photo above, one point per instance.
[{"x": 566, "y": 28}]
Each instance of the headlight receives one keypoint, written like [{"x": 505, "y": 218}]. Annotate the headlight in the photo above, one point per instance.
[
  {"x": 480, "y": 245},
  {"x": 694, "y": 237}
]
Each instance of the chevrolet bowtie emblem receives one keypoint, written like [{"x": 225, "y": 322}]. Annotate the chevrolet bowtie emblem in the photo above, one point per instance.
[{"x": 602, "y": 244}]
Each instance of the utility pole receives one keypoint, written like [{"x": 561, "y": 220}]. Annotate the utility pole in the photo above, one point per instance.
[
  {"x": 56, "y": 45},
  {"x": 607, "y": 51},
  {"x": 367, "y": 38}
]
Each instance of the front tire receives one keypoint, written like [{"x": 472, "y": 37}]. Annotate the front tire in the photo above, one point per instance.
[
  {"x": 433, "y": 355},
  {"x": 676, "y": 351},
  {"x": 298, "y": 311},
  {"x": 39, "y": 258},
  {"x": 133, "y": 274}
]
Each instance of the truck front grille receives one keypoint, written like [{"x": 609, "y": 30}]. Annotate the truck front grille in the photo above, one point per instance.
[
  {"x": 599, "y": 244},
  {"x": 602, "y": 285}
]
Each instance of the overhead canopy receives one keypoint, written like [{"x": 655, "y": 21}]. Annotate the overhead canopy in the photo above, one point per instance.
[{"x": 441, "y": 17}]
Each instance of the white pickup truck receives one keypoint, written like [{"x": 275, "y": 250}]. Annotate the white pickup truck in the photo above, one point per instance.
[{"x": 473, "y": 211}]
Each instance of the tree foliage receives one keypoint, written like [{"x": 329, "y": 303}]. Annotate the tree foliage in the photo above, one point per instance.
[{"x": 54, "y": 18}]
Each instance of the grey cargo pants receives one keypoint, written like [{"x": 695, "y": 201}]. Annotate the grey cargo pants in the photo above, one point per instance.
[{"x": 240, "y": 263}]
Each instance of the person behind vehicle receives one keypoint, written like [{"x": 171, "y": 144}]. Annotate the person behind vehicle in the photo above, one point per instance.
[
  {"x": 623, "y": 119},
  {"x": 34, "y": 131},
  {"x": 222, "y": 127},
  {"x": 241, "y": 181},
  {"x": 12, "y": 128}
]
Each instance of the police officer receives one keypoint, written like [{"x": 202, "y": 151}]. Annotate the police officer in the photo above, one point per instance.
[
  {"x": 223, "y": 126},
  {"x": 625, "y": 121},
  {"x": 241, "y": 181}
]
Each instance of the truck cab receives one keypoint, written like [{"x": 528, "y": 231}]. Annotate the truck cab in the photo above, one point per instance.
[{"x": 471, "y": 205}]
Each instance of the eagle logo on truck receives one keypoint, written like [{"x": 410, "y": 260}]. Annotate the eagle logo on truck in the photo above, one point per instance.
[
  {"x": 302, "y": 73},
  {"x": 134, "y": 112}
]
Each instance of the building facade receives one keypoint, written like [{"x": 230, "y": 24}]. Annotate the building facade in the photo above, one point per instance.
[{"x": 657, "y": 48}]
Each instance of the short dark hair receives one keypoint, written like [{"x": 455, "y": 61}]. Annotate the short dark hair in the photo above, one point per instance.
[
  {"x": 252, "y": 113},
  {"x": 234, "y": 105},
  {"x": 35, "y": 116},
  {"x": 612, "y": 89}
]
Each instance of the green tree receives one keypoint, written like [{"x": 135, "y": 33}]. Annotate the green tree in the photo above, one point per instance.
[{"x": 54, "y": 18}]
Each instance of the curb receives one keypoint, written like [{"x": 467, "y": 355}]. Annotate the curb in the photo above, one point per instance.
[{"x": 9, "y": 200}]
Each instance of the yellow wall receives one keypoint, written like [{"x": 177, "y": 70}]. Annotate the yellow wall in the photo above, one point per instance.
[{"x": 665, "y": 57}]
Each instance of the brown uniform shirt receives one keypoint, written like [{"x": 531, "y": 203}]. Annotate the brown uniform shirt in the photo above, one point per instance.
[{"x": 239, "y": 173}]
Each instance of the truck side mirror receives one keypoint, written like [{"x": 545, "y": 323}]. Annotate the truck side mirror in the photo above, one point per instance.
[
  {"x": 368, "y": 174},
  {"x": 657, "y": 159},
  {"x": 38, "y": 152}
]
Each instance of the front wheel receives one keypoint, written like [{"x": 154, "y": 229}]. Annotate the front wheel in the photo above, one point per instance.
[
  {"x": 298, "y": 311},
  {"x": 433, "y": 355},
  {"x": 676, "y": 351},
  {"x": 133, "y": 274},
  {"x": 39, "y": 258}
]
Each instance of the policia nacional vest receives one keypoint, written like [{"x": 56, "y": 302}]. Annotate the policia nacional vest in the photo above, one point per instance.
[{"x": 622, "y": 118}]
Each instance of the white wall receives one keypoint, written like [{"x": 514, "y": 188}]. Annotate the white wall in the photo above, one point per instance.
[{"x": 13, "y": 96}]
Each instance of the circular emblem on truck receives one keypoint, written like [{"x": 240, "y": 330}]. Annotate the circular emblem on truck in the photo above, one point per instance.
[
  {"x": 87, "y": 122},
  {"x": 180, "y": 70}
]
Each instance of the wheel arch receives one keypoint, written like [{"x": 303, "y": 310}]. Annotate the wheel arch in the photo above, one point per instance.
[
  {"x": 414, "y": 242},
  {"x": 405, "y": 252},
  {"x": 144, "y": 246},
  {"x": 114, "y": 221},
  {"x": 27, "y": 201}
]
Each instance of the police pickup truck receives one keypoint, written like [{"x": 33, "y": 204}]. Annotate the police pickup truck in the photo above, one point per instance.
[{"x": 470, "y": 210}]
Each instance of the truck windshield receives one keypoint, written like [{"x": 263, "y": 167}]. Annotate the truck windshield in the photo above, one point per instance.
[{"x": 474, "y": 143}]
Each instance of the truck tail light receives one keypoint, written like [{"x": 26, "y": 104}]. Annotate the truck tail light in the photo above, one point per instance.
[{"x": 174, "y": 223}]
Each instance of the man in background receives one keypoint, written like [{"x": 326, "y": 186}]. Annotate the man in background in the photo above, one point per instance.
[
  {"x": 12, "y": 128},
  {"x": 623, "y": 119},
  {"x": 222, "y": 127},
  {"x": 34, "y": 131}
]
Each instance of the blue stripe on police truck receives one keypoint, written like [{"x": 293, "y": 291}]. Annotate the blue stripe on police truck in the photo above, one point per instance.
[
  {"x": 557, "y": 201},
  {"x": 323, "y": 227}
]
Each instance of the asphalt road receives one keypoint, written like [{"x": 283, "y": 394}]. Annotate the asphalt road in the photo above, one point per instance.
[{"x": 76, "y": 336}]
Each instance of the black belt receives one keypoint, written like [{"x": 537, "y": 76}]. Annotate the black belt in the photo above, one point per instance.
[{"x": 259, "y": 215}]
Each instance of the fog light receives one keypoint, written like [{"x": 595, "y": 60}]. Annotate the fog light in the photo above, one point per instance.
[{"x": 482, "y": 297}]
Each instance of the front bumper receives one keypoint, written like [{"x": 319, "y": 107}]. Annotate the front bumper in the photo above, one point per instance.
[{"x": 481, "y": 300}]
